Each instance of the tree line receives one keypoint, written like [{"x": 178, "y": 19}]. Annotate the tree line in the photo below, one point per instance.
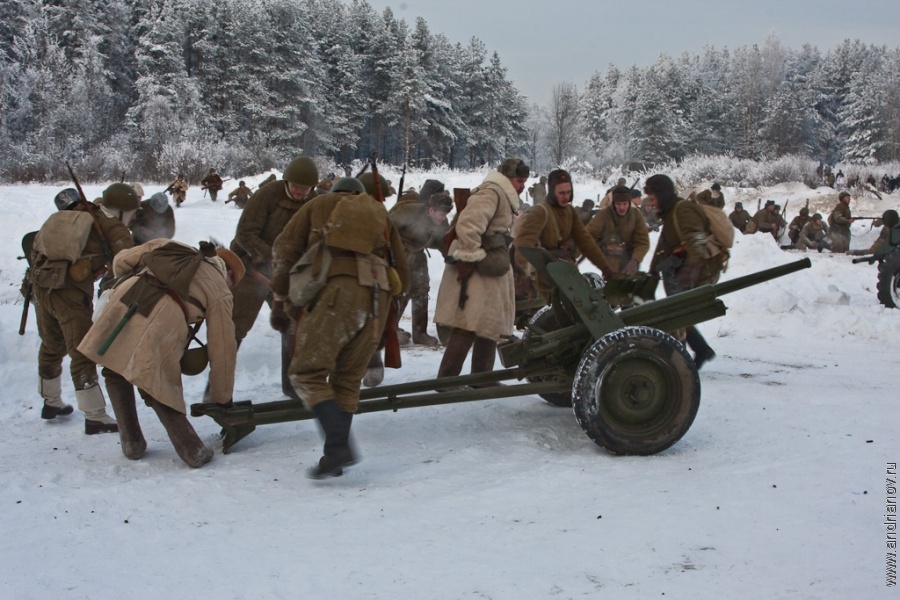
[{"x": 153, "y": 88}]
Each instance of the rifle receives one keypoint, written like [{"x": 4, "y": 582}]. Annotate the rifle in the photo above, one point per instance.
[
  {"x": 27, "y": 243},
  {"x": 400, "y": 189},
  {"x": 123, "y": 177},
  {"x": 389, "y": 337},
  {"x": 88, "y": 208},
  {"x": 780, "y": 231}
]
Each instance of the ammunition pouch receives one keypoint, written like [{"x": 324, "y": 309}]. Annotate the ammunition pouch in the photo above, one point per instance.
[
  {"x": 309, "y": 274},
  {"x": 50, "y": 274}
]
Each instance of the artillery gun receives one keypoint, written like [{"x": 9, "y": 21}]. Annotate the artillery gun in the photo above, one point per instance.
[
  {"x": 888, "y": 258},
  {"x": 633, "y": 387}
]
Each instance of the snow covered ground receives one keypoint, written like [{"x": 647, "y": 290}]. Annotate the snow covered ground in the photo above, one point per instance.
[{"x": 779, "y": 489}]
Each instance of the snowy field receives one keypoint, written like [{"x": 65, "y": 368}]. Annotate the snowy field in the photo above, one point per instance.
[{"x": 779, "y": 489}]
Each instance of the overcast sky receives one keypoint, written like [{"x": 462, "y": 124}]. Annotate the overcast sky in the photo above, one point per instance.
[{"x": 544, "y": 42}]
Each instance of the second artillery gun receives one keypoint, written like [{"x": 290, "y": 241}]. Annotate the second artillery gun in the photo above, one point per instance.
[{"x": 633, "y": 387}]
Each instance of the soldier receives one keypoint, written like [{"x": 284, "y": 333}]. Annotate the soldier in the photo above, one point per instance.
[
  {"x": 586, "y": 211},
  {"x": 266, "y": 214},
  {"x": 839, "y": 221},
  {"x": 682, "y": 257},
  {"x": 814, "y": 235},
  {"x": 272, "y": 177},
  {"x": 198, "y": 290},
  {"x": 324, "y": 186},
  {"x": 476, "y": 299},
  {"x": 421, "y": 226},
  {"x": 765, "y": 219},
  {"x": 139, "y": 190},
  {"x": 342, "y": 326},
  {"x": 621, "y": 232},
  {"x": 410, "y": 195},
  {"x": 739, "y": 217},
  {"x": 154, "y": 219},
  {"x": 240, "y": 195},
  {"x": 555, "y": 227},
  {"x": 538, "y": 191},
  {"x": 178, "y": 189},
  {"x": 650, "y": 217},
  {"x": 213, "y": 183},
  {"x": 713, "y": 196},
  {"x": 431, "y": 186},
  {"x": 73, "y": 249},
  {"x": 796, "y": 226}
]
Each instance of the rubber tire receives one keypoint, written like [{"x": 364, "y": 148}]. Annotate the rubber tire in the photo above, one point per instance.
[
  {"x": 889, "y": 280},
  {"x": 615, "y": 364},
  {"x": 545, "y": 320}
]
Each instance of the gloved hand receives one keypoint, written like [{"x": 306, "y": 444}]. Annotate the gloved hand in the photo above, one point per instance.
[
  {"x": 279, "y": 319},
  {"x": 464, "y": 270},
  {"x": 631, "y": 268}
]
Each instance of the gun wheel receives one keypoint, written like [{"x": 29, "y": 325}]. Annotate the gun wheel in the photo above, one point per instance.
[
  {"x": 889, "y": 280},
  {"x": 636, "y": 391},
  {"x": 545, "y": 320}
]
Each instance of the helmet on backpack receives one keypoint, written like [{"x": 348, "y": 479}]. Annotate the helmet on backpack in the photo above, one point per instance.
[
  {"x": 348, "y": 184},
  {"x": 66, "y": 199}
]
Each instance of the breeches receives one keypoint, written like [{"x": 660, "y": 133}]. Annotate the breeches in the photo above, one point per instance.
[
  {"x": 249, "y": 295},
  {"x": 334, "y": 342},
  {"x": 63, "y": 318}
]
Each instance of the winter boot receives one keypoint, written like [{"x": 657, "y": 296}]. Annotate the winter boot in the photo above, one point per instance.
[
  {"x": 337, "y": 452},
  {"x": 484, "y": 352},
  {"x": 375, "y": 371},
  {"x": 403, "y": 337},
  {"x": 92, "y": 403},
  {"x": 186, "y": 441},
  {"x": 51, "y": 391},
  {"x": 121, "y": 397},
  {"x": 455, "y": 352},
  {"x": 420, "y": 325},
  {"x": 702, "y": 350}
]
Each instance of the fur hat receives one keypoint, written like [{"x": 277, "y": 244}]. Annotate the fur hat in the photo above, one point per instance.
[
  {"x": 441, "y": 201},
  {"x": 158, "y": 202},
  {"x": 716, "y": 187},
  {"x": 844, "y": 194},
  {"x": 138, "y": 188},
  {"x": 804, "y": 212},
  {"x": 514, "y": 167},
  {"x": 663, "y": 188},
  {"x": 770, "y": 203}
]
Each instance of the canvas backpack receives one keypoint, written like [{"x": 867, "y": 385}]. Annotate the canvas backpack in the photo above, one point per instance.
[{"x": 59, "y": 243}]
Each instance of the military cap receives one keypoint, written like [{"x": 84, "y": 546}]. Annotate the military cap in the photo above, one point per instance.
[
  {"x": 621, "y": 181},
  {"x": 804, "y": 212},
  {"x": 739, "y": 205},
  {"x": 844, "y": 194},
  {"x": 817, "y": 217},
  {"x": 716, "y": 187},
  {"x": 770, "y": 202}
]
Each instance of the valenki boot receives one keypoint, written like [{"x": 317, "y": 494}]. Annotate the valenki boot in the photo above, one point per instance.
[
  {"x": 484, "y": 352},
  {"x": 183, "y": 436},
  {"x": 121, "y": 397},
  {"x": 375, "y": 371},
  {"x": 51, "y": 392},
  {"x": 337, "y": 451},
  {"x": 420, "y": 325},
  {"x": 92, "y": 403}
]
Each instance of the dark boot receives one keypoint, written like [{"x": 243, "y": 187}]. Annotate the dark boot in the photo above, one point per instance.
[
  {"x": 287, "y": 353},
  {"x": 337, "y": 452},
  {"x": 186, "y": 441},
  {"x": 484, "y": 352},
  {"x": 455, "y": 353},
  {"x": 420, "y": 325},
  {"x": 121, "y": 397},
  {"x": 702, "y": 350}
]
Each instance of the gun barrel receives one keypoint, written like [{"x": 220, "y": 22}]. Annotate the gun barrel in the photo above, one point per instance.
[{"x": 740, "y": 283}]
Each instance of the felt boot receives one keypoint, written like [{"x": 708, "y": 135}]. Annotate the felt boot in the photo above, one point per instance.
[
  {"x": 51, "y": 392},
  {"x": 702, "y": 351},
  {"x": 337, "y": 452},
  {"x": 185, "y": 440},
  {"x": 455, "y": 353},
  {"x": 420, "y": 325},
  {"x": 92, "y": 403},
  {"x": 121, "y": 397}
]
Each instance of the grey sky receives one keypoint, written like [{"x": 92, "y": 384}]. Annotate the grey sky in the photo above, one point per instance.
[{"x": 544, "y": 42}]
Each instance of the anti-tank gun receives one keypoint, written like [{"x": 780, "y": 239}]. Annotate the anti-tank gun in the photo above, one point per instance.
[
  {"x": 887, "y": 255},
  {"x": 633, "y": 387}
]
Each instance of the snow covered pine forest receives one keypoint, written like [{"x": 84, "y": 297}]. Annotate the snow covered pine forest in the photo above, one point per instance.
[{"x": 157, "y": 88}]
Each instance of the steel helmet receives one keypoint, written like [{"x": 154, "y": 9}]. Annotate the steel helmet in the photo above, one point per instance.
[
  {"x": 302, "y": 171},
  {"x": 368, "y": 181},
  {"x": 348, "y": 184},
  {"x": 66, "y": 199},
  {"x": 120, "y": 196}
]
